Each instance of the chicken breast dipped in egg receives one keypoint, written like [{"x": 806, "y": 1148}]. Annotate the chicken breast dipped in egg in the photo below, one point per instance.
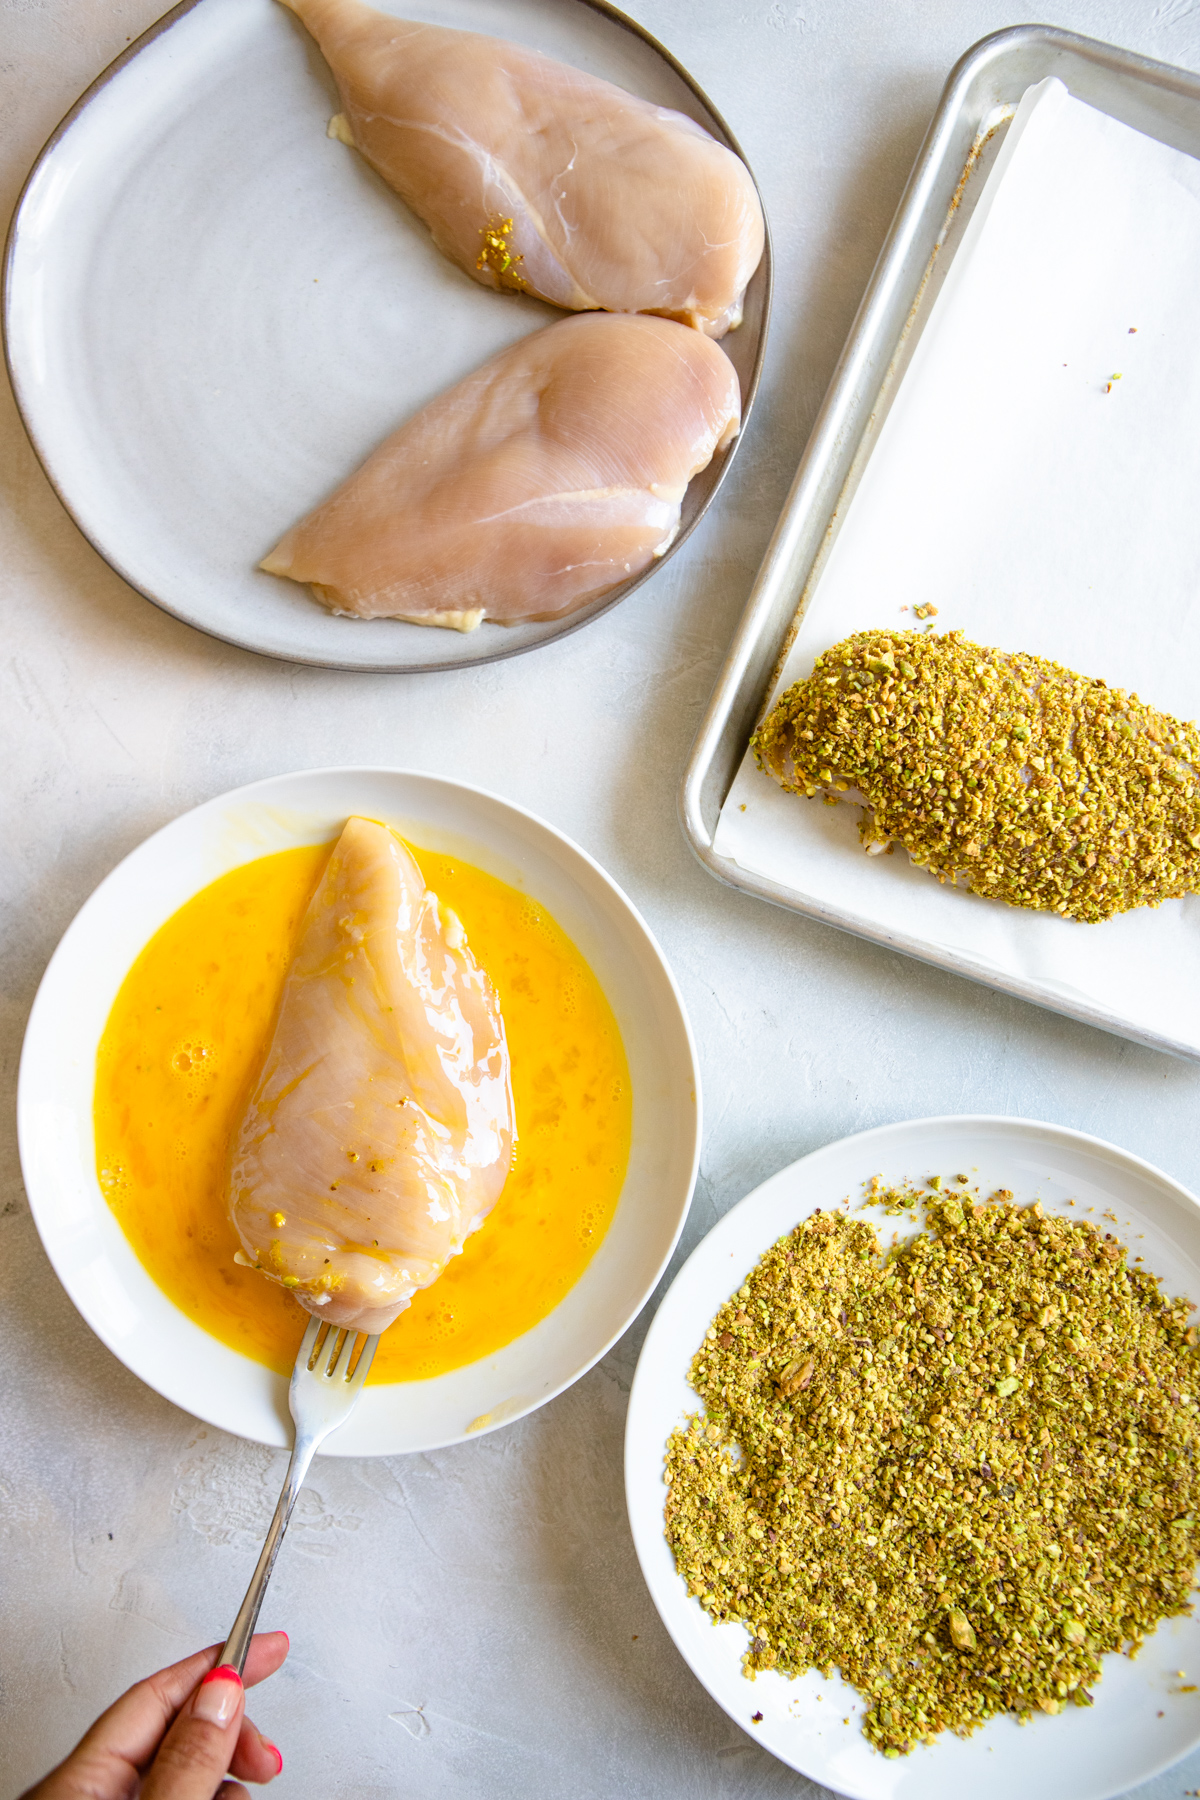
[{"x": 380, "y": 1129}]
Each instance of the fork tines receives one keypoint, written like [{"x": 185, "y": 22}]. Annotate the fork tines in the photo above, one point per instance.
[{"x": 345, "y": 1350}]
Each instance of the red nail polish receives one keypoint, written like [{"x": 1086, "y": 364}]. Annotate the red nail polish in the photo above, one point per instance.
[
  {"x": 218, "y": 1696},
  {"x": 278, "y": 1755}
]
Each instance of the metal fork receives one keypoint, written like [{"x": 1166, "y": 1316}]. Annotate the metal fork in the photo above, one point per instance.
[{"x": 321, "y": 1396}]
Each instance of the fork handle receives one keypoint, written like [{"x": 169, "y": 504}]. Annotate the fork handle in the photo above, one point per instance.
[{"x": 238, "y": 1642}]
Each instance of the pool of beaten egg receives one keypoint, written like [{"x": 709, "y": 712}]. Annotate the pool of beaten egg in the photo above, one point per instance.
[{"x": 180, "y": 1049}]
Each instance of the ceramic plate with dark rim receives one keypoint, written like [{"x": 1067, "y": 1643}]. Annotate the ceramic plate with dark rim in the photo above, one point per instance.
[
  {"x": 1142, "y": 1720},
  {"x": 213, "y": 312}
]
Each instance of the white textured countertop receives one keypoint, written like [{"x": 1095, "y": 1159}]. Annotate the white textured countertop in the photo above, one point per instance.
[{"x": 473, "y": 1623}]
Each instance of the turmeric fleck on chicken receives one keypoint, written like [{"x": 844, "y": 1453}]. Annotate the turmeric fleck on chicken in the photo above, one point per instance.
[
  {"x": 997, "y": 771},
  {"x": 959, "y": 1473}
]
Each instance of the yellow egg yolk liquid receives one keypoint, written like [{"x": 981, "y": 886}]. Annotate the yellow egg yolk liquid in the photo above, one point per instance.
[{"x": 183, "y": 1045}]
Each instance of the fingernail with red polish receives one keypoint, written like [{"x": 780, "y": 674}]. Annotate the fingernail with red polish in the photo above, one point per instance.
[
  {"x": 275, "y": 1752},
  {"x": 218, "y": 1696}
]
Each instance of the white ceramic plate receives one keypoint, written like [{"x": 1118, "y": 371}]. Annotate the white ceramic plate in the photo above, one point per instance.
[
  {"x": 1140, "y": 1722},
  {"x": 90, "y": 1253},
  {"x": 213, "y": 312}
]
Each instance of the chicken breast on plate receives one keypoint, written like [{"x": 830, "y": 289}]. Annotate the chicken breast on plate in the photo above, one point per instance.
[
  {"x": 379, "y": 1132},
  {"x": 550, "y": 475},
  {"x": 533, "y": 175}
]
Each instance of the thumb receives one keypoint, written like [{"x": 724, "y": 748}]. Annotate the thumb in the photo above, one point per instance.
[{"x": 195, "y": 1754}]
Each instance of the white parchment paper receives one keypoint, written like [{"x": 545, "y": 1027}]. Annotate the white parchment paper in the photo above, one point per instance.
[{"x": 1039, "y": 508}]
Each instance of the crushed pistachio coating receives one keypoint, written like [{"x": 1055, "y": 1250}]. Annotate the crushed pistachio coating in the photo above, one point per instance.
[
  {"x": 997, "y": 771},
  {"x": 958, "y": 1472},
  {"x": 497, "y": 253}
]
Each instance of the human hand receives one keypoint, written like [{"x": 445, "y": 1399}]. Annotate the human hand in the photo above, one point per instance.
[{"x": 175, "y": 1736}]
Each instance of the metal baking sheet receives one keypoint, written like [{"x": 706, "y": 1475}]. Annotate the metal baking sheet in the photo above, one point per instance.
[
  {"x": 213, "y": 313},
  {"x": 978, "y": 102}
]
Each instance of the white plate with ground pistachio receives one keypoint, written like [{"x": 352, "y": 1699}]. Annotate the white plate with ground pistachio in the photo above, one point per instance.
[{"x": 929, "y": 1401}]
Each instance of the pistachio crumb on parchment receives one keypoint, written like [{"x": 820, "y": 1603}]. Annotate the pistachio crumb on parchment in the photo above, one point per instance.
[
  {"x": 997, "y": 771},
  {"x": 958, "y": 1472}
]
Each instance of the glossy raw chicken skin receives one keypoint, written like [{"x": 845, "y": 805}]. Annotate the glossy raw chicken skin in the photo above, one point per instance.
[
  {"x": 553, "y": 473},
  {"x": 614, "y": 203},
  {"x": 379, "y": 1132}
]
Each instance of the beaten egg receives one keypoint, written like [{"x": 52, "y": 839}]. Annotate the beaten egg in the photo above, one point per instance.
[{"x": 183, "y": 1043}]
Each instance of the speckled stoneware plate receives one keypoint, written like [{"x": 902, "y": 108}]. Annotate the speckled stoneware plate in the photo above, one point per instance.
[
  {"x": 213, "y": 312},
  {"x": 90, "y": 1253},
  {"x": 1141, "y": 1722}
]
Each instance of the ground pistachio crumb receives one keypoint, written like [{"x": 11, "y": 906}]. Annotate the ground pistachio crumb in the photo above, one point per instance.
[
  {"x": 958, "y": 1472},
  {"x": 997, "y": 771}
]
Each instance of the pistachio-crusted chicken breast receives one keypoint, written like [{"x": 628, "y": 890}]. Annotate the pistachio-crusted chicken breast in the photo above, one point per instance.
[
  {"x": 533, "y": 175},
  {"x": 998, "y": 771},
  {"x": 379, "y": 1132},
  {"x": 553, "y": 473}
]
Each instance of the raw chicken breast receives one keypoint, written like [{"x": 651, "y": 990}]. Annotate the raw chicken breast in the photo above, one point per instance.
[
  {"x": 553, "y": 473},
  {"x": 380, "y": 1130},
  {"x": 534, "y": 175}
]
